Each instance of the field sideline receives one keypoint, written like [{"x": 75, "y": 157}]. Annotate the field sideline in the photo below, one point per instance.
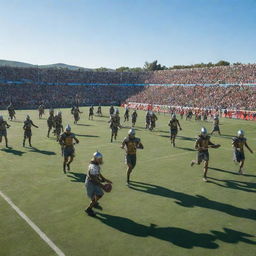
[{"x": 168, "y": 210}]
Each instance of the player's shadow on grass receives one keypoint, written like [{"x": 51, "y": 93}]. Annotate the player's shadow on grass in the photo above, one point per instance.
[
  {"x": 102, "y": 116},
  {"x": 234, "y": 173},
  {"x": 187, "y": 200},
  {"x": 77, "y": 177},
  {"x": 234, "y": 184},
  {"x": 177, "y": 236},
  {"x": 164, "y": 131},
  {"x": 232, "y": 236},
  {"x": 87, "y": 135},
  {"x": 13, "y": 151},
  {"x": 16, "y": 121},
  {"x": 84, "y": 124},
  {"x": 185, "y": 138},
  {"x": 44, "y": 152},
  {"x": 188, "y": 149},
  {"x": 165, "y": 136}
]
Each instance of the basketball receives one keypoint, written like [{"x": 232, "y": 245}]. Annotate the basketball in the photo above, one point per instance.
[{"x": 107, "y": 187}]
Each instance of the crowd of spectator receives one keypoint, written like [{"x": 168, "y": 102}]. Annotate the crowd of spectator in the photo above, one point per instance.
[
  {"x": 236, "y": 74},
  {"x": 215, "y": 96},
  {"x": 31, "y": 95},
  {"x": 28, "y": 87}
]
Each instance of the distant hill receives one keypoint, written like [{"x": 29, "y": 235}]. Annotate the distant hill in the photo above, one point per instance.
[
  {"x": 15, "y": 64},
  {"x": 63, "y": 65},
  {"x": 10, "y": 63}
]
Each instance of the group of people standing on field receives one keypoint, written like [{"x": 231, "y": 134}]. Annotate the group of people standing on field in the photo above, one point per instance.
[{"x": 95, "y": 182}]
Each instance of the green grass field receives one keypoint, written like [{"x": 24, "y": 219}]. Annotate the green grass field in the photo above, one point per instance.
[{"x": 168, "y": 210}]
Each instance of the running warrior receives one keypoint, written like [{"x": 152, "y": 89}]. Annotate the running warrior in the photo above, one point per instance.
[
  {"x": 147, "y": 120},
  {"x": 3, "y": 130},
  {"x": 126, "y": 114},
  {"x": 50, "y": 121},
  {"x": 41, "y": 110},
  {"x": 202, "y": 144},
  {"x": 67, "y": 146},
  {"x": 174, "y": 123},
  {"x": 131, "y": 144},
  {"x": 238, "y": 143},
  {"x": 189, "y": 114},
  {"x": 111, "y": 110},
  {"x": 94, "y": 183},
  {"x": 99, "y": 110},
  {"x": 75, "y": 111},
  {"x": 58, "y": 125},
  {"x": 134, "y": 117},
  {"x": 153, "y": 119},
  {"x": 114, "y": 124},
  {"x": 216, "y": 123},
  {"x": 91, "y": 109},
  {"x": 11, "y": 112},
  {"x": 28, "y": 123},
  {"x": 181, "y": 113}
]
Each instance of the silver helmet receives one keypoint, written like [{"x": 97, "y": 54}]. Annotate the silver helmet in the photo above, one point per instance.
[
  {"x": 97, "y": 155},
  {"x": 131, "y": 132},
  {"x": 240, "y": 133},
  {"x": 68, "y": 128},
  {"x": 203, "y": 131}
]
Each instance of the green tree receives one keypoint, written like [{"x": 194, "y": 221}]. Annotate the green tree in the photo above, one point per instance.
[
  {"x": 123, "y": 69},
  {"x": 153, "y": 66},
  {"x": 101, "y": 69},
  {"x": 222, "y": 63}
]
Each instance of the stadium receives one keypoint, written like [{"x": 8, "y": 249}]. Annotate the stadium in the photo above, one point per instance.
[{"x": 127, "y": 161}]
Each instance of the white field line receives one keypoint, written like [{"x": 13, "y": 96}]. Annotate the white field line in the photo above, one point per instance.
[{"x": 32, "y": 225}]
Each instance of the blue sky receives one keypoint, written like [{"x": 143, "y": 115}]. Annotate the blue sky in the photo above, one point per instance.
[{"x": 114, "y": 33}]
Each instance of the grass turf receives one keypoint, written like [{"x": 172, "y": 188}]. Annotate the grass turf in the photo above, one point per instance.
[{"x": 168, "y": 210}]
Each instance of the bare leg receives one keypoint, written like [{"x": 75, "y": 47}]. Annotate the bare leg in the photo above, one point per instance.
[{"x": 205, "y": 170}]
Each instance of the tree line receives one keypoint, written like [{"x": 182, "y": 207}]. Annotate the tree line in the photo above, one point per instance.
[{"x": 154, "y": 65}]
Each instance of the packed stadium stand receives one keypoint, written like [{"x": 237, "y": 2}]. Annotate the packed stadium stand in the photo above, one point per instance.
[{"x": 223, "y": 87}]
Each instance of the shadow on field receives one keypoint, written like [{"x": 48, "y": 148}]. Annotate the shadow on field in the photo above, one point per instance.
[
  {"x": 84, "y": 124},
  {"x": 77, "y": 177},
  {"x": 165, "y": 136},
  {"x": 188, "y": 149},
  {"x": 17, "y": 121},
  {"x": 235, "y": 184},
  {"x": 102, "y": 116},
  {"x": 44, "y": 152},
  {"x": 235, "y": 173},
  {"x": 100, "y": 121},
  {"x": 13, "y": 151},
  {"x": 164, "y": 131},
  {"x": 177, "y": 236},
  {"x": 187, "y": 200},
  {"x": 185, "y": 138},
  {"x": 87, "y": 135},
  {"x": 232, "y": 236}
]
